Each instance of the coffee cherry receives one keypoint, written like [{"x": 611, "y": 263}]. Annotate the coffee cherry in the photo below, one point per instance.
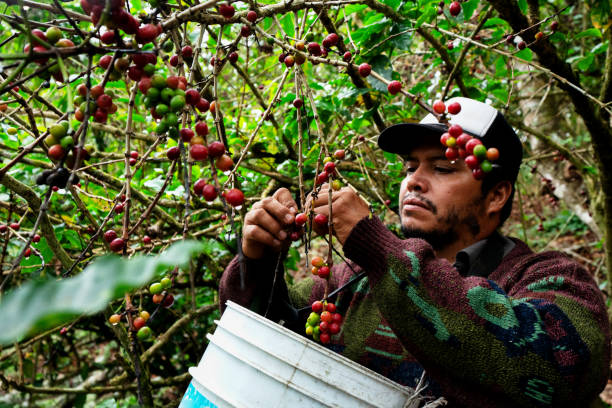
[
  {"x": 251, "y": 16},
  {"x": 201, "y": 128},
  {"x": 36, "y": 238},
  {"x": 469, "y": 146},
  {"x": 317, "y": 306},
  {"x": 226, "y": 10},
  {"x": 198, "y": 152},
  {"x": 107, "y": 37},
  {"x": 486, "y": 166},
  {"x": 324, "y": 272},
  {"x": 209, "y": 192},
  {"x": 245, "y": 31},
  {"x": 471, "y": 161},
  {"x": 326, "y": 317},
  {"x": 314, "y": 49},
  {"x": 334, "y": 328},
  {"x": 317, "y": 261},
  {"x": 364, "y": 69},
  {"x": 187, "y": 51},
  {"x": 198, "y": 186},
  {"x": 463, "y": 139},
  {"x": 155, "y": 288},
  {"x": 554, "y": 26},
  {"x": 145, "y": 333},
  {"x": 300, "y": 219},
  {"x": 173, "y": 153},
  {"x": 480, "y": 152},
  {"x": 146, "y": 33},
  {"x": 451, "y": 153},
  {"x": 138, "y": 323},
  {"x": 174, "y": 60},
  {"x": 454, "y": 108},
  {"x": 538, "y": 36},
  {"x": 478, "y": 174},
  {"x": 454, "y": 9},
  {"x": 114, "y": 319},
  {"x": 289, "y": 61},
  {"x": 315, "y": 271},
  {"x": 117, "y": 245},
  {"x": 298, "y": 103},
  {"x": 331, "y": 40},
  {"x": 224, "y": 163},
  {"x": 492, "y": 154},
  {"x": 119, "y": 208},
  {"x": 324, "y": 338},
  {"x": 322, "y": 178},
  {"x": 329, "y": 167},
  {"x": 216, "y": 149},
  {"x": 521, "y": 45},
  {"x": 168, "y": 301},
  {"x": 347, "y": 56},
  {"x": 157, "y": 298},
  {"x": 455, "y": 130},
  {"x": 320, "y": 220},
  {"x": 232, "y": 57},
  {"x": 394, "y": 87},
  {"x": 439, "y": 107},
  {"x": 14, "y": 226},
  {"x": 234, "y": 197},
  {"x": 146, "y": 240},
  {"x": 166, "y": 282},
  {"x": 203, "y": 105},
  {"x": 109, "y": 236}
]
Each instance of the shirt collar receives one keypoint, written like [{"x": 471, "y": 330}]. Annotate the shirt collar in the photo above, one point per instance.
[{"x": 483, "y": 257}]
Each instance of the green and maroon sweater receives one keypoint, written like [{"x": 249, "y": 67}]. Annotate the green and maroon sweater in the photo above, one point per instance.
[{"x": 533, "y": 333}]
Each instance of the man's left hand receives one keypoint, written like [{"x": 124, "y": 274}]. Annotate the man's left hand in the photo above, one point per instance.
[{"x": 347, "y": 210}]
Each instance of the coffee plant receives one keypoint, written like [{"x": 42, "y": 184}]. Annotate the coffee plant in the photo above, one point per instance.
[{"x": 127, "y": 126}]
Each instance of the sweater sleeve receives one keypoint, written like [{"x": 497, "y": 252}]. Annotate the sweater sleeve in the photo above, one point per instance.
[{"x": 543, "y": 344}]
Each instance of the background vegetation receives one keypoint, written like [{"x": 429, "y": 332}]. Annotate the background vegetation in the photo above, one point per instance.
[{"x": 557, "y": 93}]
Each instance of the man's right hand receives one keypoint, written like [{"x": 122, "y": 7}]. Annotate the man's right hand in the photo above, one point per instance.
[{"x": 266, "y": 224}]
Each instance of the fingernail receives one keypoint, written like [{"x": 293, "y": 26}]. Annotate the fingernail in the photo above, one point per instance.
[
  {"x": 289, "y": 218},
  {"x": 282, "y": 235},
  {"x": 277, "y": 242}
]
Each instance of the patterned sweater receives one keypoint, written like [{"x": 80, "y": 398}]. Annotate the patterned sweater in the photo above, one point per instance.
[{"x": 534, "y": 333}]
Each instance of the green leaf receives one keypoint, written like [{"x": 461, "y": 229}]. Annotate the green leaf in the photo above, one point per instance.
[
  {"x": 525, "y": 54},
  {"x": 469, "y": 7},
  {"x": 585, "y": 63},
  {"x": 288, "y": 26},
  {"x": 40, "y": 305},
  {"x": 591, "y": 32},
  {"x": 523, "y": 6}
]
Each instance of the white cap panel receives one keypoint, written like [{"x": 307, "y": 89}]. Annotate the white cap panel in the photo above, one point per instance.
[{"x": 475, "y": 117}]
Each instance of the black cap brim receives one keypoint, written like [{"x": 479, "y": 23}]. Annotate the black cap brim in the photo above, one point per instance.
[{"x": 404, "y": 137}]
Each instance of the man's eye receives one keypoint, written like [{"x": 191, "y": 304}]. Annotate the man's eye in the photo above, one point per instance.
[
  {"x": 444, "y": 170},
  {"x": 411, "y": 170}
]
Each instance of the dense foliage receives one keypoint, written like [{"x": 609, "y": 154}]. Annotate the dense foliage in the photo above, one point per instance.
[{"x": 86, "y": 148}]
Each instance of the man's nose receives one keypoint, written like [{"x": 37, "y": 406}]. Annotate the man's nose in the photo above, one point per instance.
[{"x": 417, "y": 182}]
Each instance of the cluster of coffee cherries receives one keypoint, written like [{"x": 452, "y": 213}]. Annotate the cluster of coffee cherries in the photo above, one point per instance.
[
  {"x": 116, "y": 243},
  {"x": 53, "y": 36},
  {"x": 117, "y": 18},
  {"x": 320, "y": 268},
  {"x": 160, "y": 294},
  {"x": 323, "y": 322},
  {"x": 139, "y": 324},
  {"x": 461, "y": 145},
  {"x": 100, "y": 103}
]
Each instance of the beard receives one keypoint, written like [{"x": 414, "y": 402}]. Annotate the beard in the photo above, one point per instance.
[{"x": 447, "y": 227}]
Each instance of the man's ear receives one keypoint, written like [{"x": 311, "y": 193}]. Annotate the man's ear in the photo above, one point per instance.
[{"x": 497, "y": 197}]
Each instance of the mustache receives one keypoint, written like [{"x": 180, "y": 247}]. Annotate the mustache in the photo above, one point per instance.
[{"x": 417, "y": 196}]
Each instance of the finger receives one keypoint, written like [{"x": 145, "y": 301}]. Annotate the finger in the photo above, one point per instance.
[
  {"x": 263, "y": 219},
  {"x": 281, "y": 212},
  {"x": 257, "y": 234},
  {"x": 283, "y": 196}
]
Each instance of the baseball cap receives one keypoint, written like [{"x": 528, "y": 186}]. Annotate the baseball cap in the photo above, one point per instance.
[{"x": 476, "y": 118}]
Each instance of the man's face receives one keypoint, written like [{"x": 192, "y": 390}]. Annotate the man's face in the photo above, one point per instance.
[{"x": 440, "y": 200}]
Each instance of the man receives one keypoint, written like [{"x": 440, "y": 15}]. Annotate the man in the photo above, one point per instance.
[{"x": 492, "y": 323}]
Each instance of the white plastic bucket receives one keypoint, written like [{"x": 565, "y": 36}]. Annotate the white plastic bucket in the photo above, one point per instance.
[{"x": 253, "y": 362}]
